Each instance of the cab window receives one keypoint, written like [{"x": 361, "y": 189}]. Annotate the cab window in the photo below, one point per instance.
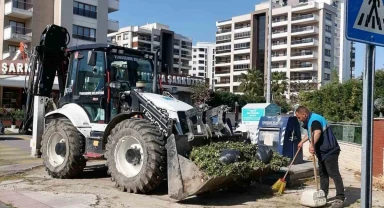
[{"x": 91, "y": 78}]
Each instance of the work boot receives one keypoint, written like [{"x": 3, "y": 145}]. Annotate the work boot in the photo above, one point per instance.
[{"x": 338, "y": 203}]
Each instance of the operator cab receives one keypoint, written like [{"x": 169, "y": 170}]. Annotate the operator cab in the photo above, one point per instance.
[{"x": 96, "y": 72}]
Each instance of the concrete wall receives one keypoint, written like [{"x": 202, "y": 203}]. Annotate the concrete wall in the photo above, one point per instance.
[
  {"x": 41, "y": 20},
  {"x": 350, "y": 155}
]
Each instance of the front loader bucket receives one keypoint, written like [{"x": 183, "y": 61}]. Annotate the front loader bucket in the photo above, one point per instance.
[{"x": 186, "y": 179}]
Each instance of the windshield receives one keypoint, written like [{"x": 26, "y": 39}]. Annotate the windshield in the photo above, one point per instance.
[{"x": 132, "y": 69}]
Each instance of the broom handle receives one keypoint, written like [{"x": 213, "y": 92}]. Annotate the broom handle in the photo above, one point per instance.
[
  {"x": 314, "y": 162},
  {"x": 289, "y": 168}
]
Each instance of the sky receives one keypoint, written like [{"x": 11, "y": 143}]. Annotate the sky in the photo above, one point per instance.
[{"x": 197, "y": 19}]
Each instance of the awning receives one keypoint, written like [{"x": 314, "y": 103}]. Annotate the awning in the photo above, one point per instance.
[{"x": 19, "y": 81}]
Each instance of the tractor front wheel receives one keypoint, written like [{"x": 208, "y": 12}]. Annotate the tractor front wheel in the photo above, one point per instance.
[
  {"x": 136, "y": 156},
  {"x": 62, "y": 149}
]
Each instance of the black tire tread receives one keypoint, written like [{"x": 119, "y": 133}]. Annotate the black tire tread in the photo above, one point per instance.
[
  {"x": 76, "y": 161},
  {"x": 155, "y": 170}
]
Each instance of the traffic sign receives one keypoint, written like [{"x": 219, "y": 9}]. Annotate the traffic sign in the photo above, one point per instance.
[{"x": 365, "y": 21}]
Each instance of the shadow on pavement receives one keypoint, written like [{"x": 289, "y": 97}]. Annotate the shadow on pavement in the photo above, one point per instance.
[
  {"x": 231, "y": 197},
  {"x": 10, "y": 137},
  {"x": 95, "y": 171}
]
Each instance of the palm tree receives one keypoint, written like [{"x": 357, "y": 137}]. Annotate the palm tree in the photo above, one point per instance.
[{"x": 252, "y": 82}]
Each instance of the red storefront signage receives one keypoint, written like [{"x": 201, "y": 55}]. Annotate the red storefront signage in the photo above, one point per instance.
[{"x": 18, "y": 67}]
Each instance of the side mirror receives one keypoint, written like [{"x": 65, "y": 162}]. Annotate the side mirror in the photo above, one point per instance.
[{"x": 91, "y": 58}]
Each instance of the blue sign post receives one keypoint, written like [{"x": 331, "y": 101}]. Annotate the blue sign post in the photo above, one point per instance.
[{"x": 365, "y": 24}]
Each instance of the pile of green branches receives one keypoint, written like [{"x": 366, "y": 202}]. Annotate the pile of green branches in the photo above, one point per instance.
[{"x": 207, "y": 159}]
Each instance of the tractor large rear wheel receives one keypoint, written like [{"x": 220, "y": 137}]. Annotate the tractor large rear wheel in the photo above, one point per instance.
[
  {"x": 62, "y": 149},
  {"x": 136, "y": 156}
]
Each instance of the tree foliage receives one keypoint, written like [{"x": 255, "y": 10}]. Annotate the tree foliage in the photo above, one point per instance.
[
  {"x": 200, "y": 93},
  {"x": 253, "y": 85},
  {"x": 227, "y": 98},
  {"x": 342, "y": 102}
]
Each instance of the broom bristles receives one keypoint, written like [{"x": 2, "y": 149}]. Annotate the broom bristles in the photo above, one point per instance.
[
  {"x": 277, "y": 186},
  {"x": 282, "y": 188}
]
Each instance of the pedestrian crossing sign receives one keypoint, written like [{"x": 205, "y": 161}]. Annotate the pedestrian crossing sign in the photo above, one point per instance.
[{"x": 365, "y": 21}]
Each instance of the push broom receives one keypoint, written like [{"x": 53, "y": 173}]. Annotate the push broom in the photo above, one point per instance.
[{"x": 279, "y": 186}]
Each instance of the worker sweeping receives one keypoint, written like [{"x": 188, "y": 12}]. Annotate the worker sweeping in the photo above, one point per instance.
[{"x": 326, "y": 149}]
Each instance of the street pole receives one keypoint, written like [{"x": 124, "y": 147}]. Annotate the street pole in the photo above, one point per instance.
[
  {"x": 268, "y": 96},
  {"x": 367, "y": 127}
]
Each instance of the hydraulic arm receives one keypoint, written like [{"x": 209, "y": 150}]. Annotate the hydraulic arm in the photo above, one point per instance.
[{"x": 47, "y": 60}]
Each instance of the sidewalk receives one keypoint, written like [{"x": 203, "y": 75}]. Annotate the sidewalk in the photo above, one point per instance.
[
  {"x": 39, "y": 199},
  {"x": 15, "y": 154}
]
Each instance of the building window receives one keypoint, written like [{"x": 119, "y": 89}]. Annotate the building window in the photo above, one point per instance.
[
  {"x": 201, "y": 56},
  {"x": 327, "y": 64},
  {"x": 119, "y": 37},
  {"x": 328, "y": 28},
  {"x": 125, "y": 45},
  {"x": 328, "y": 52},
  {"x": 328, "y": 16},
  {"x": 328, "y": 40},
  {"x": 201, "y": 62},
  {"x": 201, "y": 74},
  {"x": 194, "y": 56},
  {"x": 84, "y": 33},
  {"x": 18, "y": 27},
  {"x": 327, "y": 76},
  {"x": 85, "y": 10},
  {"x": 125, "y": 36}
]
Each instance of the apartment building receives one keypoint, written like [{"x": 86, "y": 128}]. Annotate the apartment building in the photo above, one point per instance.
[
  {"x": 344, "y": 49},
  {"x": 203, "y": 61},
  {"x": 303, "y": 42},
  {"x": 88, "y": 21},
  {"x": 24, "y": 21},
  {"x": 176, "y": 50},
  {"x": 241, "y": 44}
]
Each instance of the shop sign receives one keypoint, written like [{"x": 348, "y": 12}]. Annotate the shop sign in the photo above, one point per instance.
[
  {"x": 173, "y": 79},
  {"x": 9, "y": 67},
  {"x": 180, "y": 80}
]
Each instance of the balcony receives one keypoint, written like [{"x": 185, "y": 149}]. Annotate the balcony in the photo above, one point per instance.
[
  {"x": 304, "y": 6},
  {"x": 279, "y": 22},
  {"x": 241, "y": 61},
  {"x": 304, "y": 43},
  {"x": 304, "y": 30},
  {"x": 186, "y": 56},
  {"x": 307, "y": 18},
  {"x": 279, "y": 33},
  {"x": 17, "y": 34},
  {"x": 279, "y": 57},
  {"x": 18, "y": 9},
  {"x": 223, "y": 31},
  {"x": 279, "y": 45},
  {"x": 278, "y": 68},
  {"x": 113, "y": 5},
  {"x": 7, "y": 54},
  {"x": 113, "y": 26},
  {"x": 223, "y": 72},
  {"x": 303, "y": 67},
  {"x": 224, "y": 22},
  {"x": 302, "y": 55},
  {"x": 222, "y": 63}
]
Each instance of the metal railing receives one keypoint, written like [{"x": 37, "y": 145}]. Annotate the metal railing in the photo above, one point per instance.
[
  {"x": 347, "y": 132},
  {"x": 300, "y": 17},
  {"x": 301, "y": 65},
  {"x": 306, "y": 40},
  {"x": 302, "y": 53},
  {"x": 279, "y": 31},
  {"x": 279, "y": 43},
  {"x": 223, "y": 31},
  {"x": 222, "y": 72},
  {"x": 19, "y": 30},
  {"x": 20, "y": 4},
  {"x": 224, "y": 20},
  {"x": 302, "y": 29}
]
